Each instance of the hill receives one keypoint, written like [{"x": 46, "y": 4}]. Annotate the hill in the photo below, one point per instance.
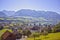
[
  {"x": 8, "y": 13},
  {"x": 51, "y": 36},
  {"x": 48, "y": 15},
  {"x": 2, "y": 14},
  {"x": 33, "y": 15}
]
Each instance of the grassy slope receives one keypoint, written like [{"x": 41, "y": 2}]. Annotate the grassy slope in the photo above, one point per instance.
[{"x": 51, "y": 36}]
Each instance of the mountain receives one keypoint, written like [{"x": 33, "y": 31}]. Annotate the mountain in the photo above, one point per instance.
[
  {"x": 48, "y": 15},
  {"x": 2, "y": 14},
  {"x": 25, "y": 12},
  {"x": 8, "y": 13},
  {"x": 33, "y": 13}
]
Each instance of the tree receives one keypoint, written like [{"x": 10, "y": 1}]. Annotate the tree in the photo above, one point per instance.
[
  {"x": 26, "y": 33},
  {"x": 56, "y": 28},
  {"x": 49, "y": 29},
  {"x": 1, "y": 27},
  {"x": 36, "y": 35}
]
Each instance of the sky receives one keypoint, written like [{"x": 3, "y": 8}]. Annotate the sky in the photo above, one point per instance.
[{"x": 42, "y": 5}]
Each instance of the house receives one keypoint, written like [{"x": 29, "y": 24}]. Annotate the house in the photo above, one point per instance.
[
  {"x": 8, "y": 36},
  {"x": 17, "y": 33}
]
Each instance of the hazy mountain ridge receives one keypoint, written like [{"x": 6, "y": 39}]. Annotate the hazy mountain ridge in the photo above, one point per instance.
[
  {"x": 2, "y": 14},
  {"x": 37, "y": 14},
  {"x": 33, "y": 15},
  {"x": 8, "y": 13}
]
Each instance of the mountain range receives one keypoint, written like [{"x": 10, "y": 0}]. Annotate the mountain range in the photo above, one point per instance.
[
  {"x": 31, "y": 14},
  {"x": 37, "y": 14}
]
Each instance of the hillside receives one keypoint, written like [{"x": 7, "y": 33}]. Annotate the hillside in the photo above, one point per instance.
[
  {"x": 2, "y": 14},
  {"x": 8, "y": 13},
  {"x": 51, "y": 36},
  {"x": 48, "y": 15},
  {"x": 32, "y": 15}
]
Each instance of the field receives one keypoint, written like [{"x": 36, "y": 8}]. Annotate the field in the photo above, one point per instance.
[{"x": 51, "y": 36}]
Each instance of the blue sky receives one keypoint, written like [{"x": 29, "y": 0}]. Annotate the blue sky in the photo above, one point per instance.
[{"x": 43, "y": 5}]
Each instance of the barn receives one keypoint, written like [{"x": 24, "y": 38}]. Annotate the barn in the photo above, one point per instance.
[{"x": 8, "y": 36}]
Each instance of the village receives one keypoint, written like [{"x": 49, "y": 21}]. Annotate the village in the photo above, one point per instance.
[{"x": 23, "y": 31}]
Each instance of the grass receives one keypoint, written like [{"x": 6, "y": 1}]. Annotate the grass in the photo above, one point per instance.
[{"x": 51, "y": 36}]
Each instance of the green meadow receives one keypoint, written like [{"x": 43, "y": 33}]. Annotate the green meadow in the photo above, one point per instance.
[{"x": 50, "y": 36}]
